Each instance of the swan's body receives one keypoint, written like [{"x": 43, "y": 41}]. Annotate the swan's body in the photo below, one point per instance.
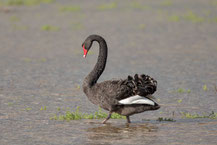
[{"x": 125, "y": 97}]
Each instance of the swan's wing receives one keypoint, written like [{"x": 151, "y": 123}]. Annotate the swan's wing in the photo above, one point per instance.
[
  {"x": 141, "y": 85},
  {"x": 125, "y": 91},
  {"x": 136, "y": 100}
]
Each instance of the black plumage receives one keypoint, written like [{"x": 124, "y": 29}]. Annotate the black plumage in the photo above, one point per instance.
[{"x": 107, "y": 94}]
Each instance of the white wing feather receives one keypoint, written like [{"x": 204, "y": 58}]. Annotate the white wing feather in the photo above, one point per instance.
[{"x": 136, "y": 100}]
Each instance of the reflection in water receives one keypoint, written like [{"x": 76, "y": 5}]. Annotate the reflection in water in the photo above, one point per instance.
[{"x": 122, "y": 134}]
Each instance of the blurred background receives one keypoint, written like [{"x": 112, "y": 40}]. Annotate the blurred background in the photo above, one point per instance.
[{"x": 42, "y": 68}]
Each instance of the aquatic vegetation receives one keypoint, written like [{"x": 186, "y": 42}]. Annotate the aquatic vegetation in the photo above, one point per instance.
[
  {"x": 174, "y": 18},
  {"x": 181, "y": 90},
  {"x": 214, "y": 20},
  {"x": 77, "y": 115},
  {"x": 205, "y": 87},
  {"x": 28, "y": 60},
  {"x": 47, "y": 1},
  {"x": 28, "y": 109},
  {"x": 214, "y": 2},
  {"x": 142, "y": 26},
  {"x": 137, "y": 5},
  {"x": 77, "y": 26},
  {"x": 167, "y": 3},
  {"x": 72, "y": 8},
  {"x": 14, "y": 19},
  {"x": 43, "y": 108},
  {"x": 78, "y": 86},
  {"x": 10, "y": 103},
  {"x": 108, "y": 6},
  {"x": 165, "y": 119},
  {"x": 211, "y": 115},
  {"x": 43, "y": 60},
  {"x": 145, "y": 119},
  {"x": 58, "y": 109},
  {"x": 49, "y": 28},
  {"x": 179, "y": 101},
  {"x": 24, "y": 2},
  {"x": 188, "y": 91},
  {"x": 193, "y": 17},
  {"x": 207, "y": 12}
]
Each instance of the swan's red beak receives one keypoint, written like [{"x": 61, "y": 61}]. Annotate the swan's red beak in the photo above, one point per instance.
[{"x": 85, "y": 51}]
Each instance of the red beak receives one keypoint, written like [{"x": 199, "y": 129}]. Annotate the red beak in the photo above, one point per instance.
[{"x": 85, "y": 51}]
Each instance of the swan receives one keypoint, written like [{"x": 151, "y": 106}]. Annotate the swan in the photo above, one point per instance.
[{"x": 124, "y": 96}]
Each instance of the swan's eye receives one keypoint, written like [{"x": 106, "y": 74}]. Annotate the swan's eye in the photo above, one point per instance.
[{"x": 85, "y": 51}]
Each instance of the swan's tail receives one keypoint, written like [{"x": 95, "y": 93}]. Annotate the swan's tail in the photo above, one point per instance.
[{"x": 142, "y": 85}]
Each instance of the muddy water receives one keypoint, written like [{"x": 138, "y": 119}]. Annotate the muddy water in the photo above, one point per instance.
[
  {"x": 116, "y": 132},
  {"x": 172, "y": 41}
]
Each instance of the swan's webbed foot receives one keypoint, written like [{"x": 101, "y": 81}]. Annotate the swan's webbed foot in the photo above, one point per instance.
[
  {"x": 128, "y": 119},
  {"x": 109, "y": 116}
]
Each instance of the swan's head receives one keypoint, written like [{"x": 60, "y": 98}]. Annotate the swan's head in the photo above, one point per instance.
[{"x": 86, "y": 46}]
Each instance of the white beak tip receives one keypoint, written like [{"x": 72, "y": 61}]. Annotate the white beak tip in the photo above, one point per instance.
[{"x": 84, "y": 56}]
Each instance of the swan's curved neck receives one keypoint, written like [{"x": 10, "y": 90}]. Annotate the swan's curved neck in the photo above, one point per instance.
[{"x": 98, "y": 69}]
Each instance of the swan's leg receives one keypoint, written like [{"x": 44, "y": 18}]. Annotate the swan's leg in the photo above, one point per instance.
[
  {"x": 109, "y": 116},
  {"x": 128, "y": 119}
]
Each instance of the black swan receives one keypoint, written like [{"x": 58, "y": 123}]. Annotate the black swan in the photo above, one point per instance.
[{"x": 125, "y": 97}]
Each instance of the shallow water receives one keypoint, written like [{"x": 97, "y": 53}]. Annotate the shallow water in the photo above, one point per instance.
[
  {"x": 116, "y": 132},
  {"x": 45, "y": 69}
]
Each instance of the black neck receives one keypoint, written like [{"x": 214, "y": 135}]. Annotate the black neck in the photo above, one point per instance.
[{"x": 98, "y": 69}]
